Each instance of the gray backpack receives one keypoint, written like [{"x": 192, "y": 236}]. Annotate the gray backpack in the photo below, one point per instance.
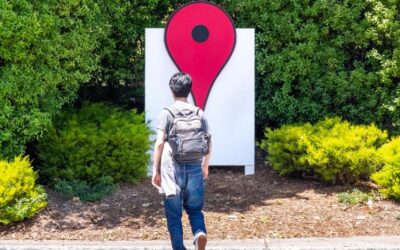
[{"x": 187, "y": 136}]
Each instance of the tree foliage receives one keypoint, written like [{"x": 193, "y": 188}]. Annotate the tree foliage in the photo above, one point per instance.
[
  {"x": 46, "y": 51},
  {"x": 313, "y": 58},
  {"x": 318, "y": 58},
  {"x": 121, "y": 74}
]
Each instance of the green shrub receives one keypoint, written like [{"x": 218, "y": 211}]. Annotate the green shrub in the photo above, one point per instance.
[
  {"x": 85, "y": 191},
  {"x": 324, "y": 58},
  {"x": 389, "y": 176},
  {"x": 356, "y": 196},
  {"x": 334, "y": 150},
  {"x": 46, "y": 51},
  {"x": 20, "y": 197},
  {"x": 95, "y": 142}
]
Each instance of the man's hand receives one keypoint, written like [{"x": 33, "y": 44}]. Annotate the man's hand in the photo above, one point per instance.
[
  {"x": 156, "y": 180},
  {"x": 205, "y": 171}
]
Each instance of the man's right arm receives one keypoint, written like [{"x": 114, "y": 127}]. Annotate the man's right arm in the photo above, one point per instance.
[
  {"x": 158, "y": 149},
  {"x": 162, "y": 126}
]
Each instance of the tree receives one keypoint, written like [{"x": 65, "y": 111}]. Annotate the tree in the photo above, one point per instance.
[
  {"x": 324, "y": 58},
  {"x": 46, "y": 52}
]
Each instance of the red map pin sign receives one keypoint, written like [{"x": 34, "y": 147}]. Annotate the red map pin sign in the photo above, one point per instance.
[{"x": 200, "y": 38}]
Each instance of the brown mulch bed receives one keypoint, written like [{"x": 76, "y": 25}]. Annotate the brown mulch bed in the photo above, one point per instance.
[{"x": 236, "y": 207}]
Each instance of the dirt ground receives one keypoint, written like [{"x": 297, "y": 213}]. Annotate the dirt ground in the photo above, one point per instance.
[{"x": 236, "y": 207}]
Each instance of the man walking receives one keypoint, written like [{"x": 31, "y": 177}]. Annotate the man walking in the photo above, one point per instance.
[{"x": 175, "y": 125}]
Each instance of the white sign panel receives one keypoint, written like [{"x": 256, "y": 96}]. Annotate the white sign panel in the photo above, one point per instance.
[{"x": 230, "y": 108}]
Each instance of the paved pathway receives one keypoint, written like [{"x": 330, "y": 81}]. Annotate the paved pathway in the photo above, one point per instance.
[{"x": 354, "y": 243}]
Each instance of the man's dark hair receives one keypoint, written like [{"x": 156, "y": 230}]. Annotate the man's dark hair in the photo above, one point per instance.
[{"x": 180, "y": 84}]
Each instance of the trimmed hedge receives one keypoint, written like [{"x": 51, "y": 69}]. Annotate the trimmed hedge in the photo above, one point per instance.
[
  {"x": 20, "y": 197},
  {"x": 92, "y": 145},
  {"x": 334, "y": 150}
]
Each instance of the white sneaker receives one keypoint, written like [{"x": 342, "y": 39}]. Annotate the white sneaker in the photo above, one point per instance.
[{"x": 200, "y": 241}]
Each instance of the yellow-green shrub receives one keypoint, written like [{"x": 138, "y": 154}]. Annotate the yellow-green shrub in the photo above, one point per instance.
[
  {"x": 389, "y": 176},
  {"x": 20, "y": 197},
  {"x": 390, "y": 152},
  {"x": 335, "y": 150}
]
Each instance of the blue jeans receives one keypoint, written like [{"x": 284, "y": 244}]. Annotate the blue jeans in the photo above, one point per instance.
[{"x": 190, "y": 196}]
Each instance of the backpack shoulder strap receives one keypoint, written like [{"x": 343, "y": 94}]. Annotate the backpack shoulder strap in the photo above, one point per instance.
[
  {"x": 170, "y": 111},
  {"x": 174, "y": 113}
]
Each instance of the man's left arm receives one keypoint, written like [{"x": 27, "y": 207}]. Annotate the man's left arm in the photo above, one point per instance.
[{"x": 206, "y": 159}]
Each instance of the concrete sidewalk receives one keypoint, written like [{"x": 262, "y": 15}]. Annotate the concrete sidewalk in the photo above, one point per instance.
[{"x": 364, "y": 242}]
